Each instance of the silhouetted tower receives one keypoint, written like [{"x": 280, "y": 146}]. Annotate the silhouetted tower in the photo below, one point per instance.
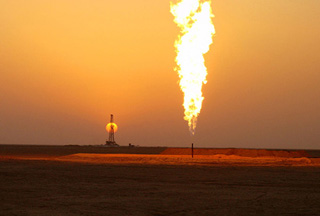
[
  {"x": 111, "y": 133},
  {"x": 111, "y": 128}
]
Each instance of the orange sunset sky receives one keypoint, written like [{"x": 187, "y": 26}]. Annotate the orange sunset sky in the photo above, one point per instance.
[{"x": 66, "y": 65}]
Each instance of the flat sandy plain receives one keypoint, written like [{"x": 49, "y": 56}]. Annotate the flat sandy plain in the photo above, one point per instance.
[{"x": 75, "y": 180}]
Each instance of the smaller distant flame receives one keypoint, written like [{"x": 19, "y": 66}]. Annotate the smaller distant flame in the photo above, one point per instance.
[{"x": 111, "y": 126}]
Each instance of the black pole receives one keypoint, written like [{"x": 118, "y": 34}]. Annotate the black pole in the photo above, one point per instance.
[{"x": 192, "y": 150}]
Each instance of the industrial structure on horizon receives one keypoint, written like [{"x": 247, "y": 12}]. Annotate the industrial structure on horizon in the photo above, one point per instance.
[{"x": 111, "y": 128}]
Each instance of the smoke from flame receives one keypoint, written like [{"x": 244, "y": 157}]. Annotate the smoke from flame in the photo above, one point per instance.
[{"x": 194, "y": 18}]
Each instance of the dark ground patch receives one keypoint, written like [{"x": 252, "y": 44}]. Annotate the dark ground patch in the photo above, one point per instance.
[{"x": 58, "y": 188}]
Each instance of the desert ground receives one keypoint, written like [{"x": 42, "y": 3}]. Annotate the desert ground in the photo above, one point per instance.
[{"x": 87, "y": 180}]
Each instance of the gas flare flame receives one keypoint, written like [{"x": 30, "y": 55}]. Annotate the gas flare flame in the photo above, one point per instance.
[{"x": 194, "y": 18}]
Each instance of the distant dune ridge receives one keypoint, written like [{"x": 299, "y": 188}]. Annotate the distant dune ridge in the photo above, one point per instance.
[
  {"x": 237, "y": 152},
  {"x": 46, "y": 150},
  {"x": 160, "y": 156}
]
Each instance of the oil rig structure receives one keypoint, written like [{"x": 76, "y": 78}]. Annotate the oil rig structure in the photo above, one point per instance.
[{"x": 111, "y": 128}]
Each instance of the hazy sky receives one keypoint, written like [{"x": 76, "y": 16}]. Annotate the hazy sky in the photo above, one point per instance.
[{"x": 66, "y": 65}]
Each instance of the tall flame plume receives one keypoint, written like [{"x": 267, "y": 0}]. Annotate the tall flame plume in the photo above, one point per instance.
[{"x": 194, "y": 18}]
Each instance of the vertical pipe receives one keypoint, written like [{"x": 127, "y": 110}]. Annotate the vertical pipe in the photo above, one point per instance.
[{"x": 192, "y": 150}]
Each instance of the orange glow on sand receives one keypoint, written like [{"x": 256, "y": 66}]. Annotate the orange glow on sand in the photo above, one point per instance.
[{"x": 198, "y": 160}]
